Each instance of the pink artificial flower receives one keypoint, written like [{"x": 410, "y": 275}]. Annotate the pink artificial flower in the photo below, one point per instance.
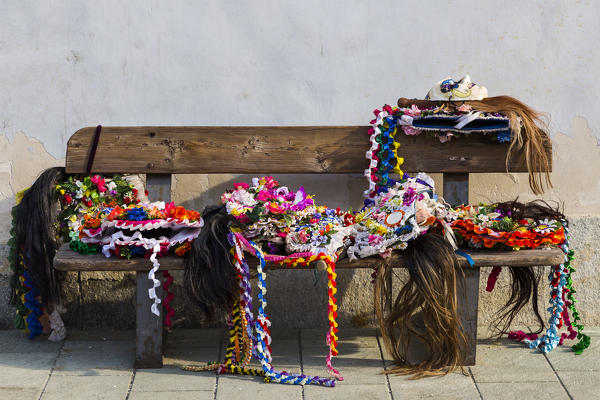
[
  {"x": 375, "y": 240},
  {"x": 386, "y": 253},
  {"x": 240, "y": 185},
  {"x": 410, "y": 131},
  {"x": 388, "y": 109},
  {"x": 270, "y": 182},
  {"x": 99, "y": 182},
  {"x": 303, "y": 236},
  {"x": 465, "y": 108},
  {"x": 413, "y": 111},
  {"x": 264, "y": 195}
]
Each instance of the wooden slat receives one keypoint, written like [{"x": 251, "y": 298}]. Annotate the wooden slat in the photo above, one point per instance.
[
  {"x": 468, "y": 299},
  {"x": 68, "y": 260},
  {"x": 456, "y": 188},
  {"x": 270, "y": 150},
  {"x": 149, "y": 327}
]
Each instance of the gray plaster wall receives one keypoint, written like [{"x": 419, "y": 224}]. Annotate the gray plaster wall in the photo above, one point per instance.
[{"x": 66, "y": 65}]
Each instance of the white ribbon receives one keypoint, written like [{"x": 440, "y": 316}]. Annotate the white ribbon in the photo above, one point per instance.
[
  {"x": 155, "y": 282},
  {"x": 465, "y": 119}
]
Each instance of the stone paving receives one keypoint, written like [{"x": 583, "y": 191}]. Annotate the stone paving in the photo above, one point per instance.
[{"x": 99, "y": 365}]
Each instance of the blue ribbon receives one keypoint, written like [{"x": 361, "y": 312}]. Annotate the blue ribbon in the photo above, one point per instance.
[{"x": 468, "y": 257}]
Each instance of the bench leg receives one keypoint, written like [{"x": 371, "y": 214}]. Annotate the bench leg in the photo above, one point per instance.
[
  {"x": 468, "y": 298},
  {"x": 148, "y": 327}
]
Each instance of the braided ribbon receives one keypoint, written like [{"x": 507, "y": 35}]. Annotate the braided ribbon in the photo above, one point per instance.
[
  {"x": 561, "y": 301},
  {"x": 262, "y": 323},
  {"x": 384, "y": 148}
]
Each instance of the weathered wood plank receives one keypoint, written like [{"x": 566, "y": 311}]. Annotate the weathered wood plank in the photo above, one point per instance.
[
  {"x": 270, "y": 150},
  {"x": 68, "y": 260},
  {"x": 149, "y": 327},
  {"x": 468, "y": 299}
]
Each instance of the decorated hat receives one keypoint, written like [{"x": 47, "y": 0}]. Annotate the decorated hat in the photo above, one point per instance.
[{"x": 449, "y": 89}]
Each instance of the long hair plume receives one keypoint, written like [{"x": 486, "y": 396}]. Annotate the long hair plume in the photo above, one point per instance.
[
  {"x": 35, "y": 234},
  {"x": 524, "y": 280},
  {"x": 529, "y": 130},
  {"x": 528, "y": 127},
  {"x": 433, "y": 270},
  {"x": 210, "y": 277}
]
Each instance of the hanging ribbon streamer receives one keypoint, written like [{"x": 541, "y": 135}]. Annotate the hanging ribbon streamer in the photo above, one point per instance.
[
  {"x": 492, "y": 278},
  {"x": 169, "y": 312},
  {"x": 263, "y": 337},
  {"x": 561, "y": 300},
  {"x": 467, "y": 256},
  {"x": 155, "y": 282}
]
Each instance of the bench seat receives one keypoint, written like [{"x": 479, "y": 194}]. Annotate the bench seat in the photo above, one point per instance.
[
  {"x": 162, "y": 151},
  {"x": 68, "y": 260}
]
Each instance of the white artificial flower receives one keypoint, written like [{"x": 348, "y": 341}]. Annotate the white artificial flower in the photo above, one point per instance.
[
  {"x": 243, "y": 197},
  {"x": 546, "y": 226}
]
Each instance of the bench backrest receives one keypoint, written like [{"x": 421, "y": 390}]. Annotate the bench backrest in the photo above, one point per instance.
[{"x": 161, "y": 151}]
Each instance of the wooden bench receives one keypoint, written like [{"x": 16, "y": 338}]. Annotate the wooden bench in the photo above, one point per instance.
[{"x": 160, "y": 152}]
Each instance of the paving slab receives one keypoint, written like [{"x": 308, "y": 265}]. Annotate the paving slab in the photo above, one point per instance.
[
  {"x": 343, "y": 391},
  {"x": 563, "y": 358},
  {"x": 100, "y": 335},
  {"x": 26, "y": 370},
  {"x": 186, "y": 338},
  {"x": 99, "y": 346},
  {"x": 181, "y": 395},
  {"x": 171, "y": 378},
  {"x": 449, "y": 387},
  {"x": 581, "y": 384},
  {"x": 69, "y": 387},
  {"x": 351, "y": 338},
  {"x": 15, "y": 341},
  {"x": 523, "y": 390},
  {"x": 506, "y": 361},
  {"x": 253, "y": 387},
  {"x": 20, "y": 394},
  {"x": 361, "y": 367},
  {"x": 191, "y": 356},
  {"x": 92, "y": 362}
]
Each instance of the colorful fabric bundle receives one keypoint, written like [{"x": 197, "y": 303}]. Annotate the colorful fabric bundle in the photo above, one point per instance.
[
  {"x": 273, "y": 224},
  {"x": 516, "y": 226},
  {"x": 490, "y": 226},
  {"x": 148, "y": 230}
]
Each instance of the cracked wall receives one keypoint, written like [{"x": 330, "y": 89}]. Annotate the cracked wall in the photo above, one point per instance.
[{"x": 308, "y": 63}]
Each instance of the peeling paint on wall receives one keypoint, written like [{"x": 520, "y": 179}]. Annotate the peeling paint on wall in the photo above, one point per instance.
[
  {"x": 21, "y": 161},
  {"x": 575, "y": 175}
]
